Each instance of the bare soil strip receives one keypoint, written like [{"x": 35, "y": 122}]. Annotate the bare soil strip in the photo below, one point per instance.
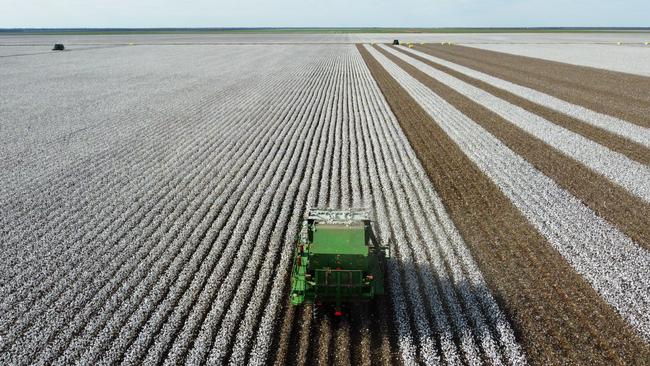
[
  {"x": 613, "y": 93},
  {"x": 380, "y": 348},
  {"x": 342, "y": 346},
  {"x": 532, "y": 281},
  {"x": 321, "y": 343},
  {"x": 610, "y": 201},
  {"x": 617, "y": 126},
  {"x": 360, "y": 335},
  {"x": 612, "y": 141}
]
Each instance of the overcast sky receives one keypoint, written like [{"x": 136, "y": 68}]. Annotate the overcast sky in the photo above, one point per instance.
[{"x": 312, "y": 13}]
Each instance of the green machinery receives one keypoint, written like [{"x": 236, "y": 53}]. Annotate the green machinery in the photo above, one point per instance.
[{"x": 337, "y": 260}]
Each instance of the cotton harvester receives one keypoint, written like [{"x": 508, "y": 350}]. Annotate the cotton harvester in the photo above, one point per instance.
[{"x": 337, "y": 260}]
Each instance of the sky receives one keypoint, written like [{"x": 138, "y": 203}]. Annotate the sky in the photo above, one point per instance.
[{"x": 314, "y": 13}]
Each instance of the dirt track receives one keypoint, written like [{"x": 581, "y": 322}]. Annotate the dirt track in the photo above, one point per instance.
[
  {"x": 621, "y": 95},
  {"x": 532, "y": 281}
]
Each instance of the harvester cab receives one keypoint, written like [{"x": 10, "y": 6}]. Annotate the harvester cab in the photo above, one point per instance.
[{"x": 337, "y": 260}]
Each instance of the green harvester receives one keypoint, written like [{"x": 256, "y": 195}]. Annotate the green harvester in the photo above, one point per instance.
[{"x": 337, "y": 260}]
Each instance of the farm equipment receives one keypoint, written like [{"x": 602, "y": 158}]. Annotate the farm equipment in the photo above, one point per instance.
[
  {"x": 337, "y": 260},
  {"x": 58, "y": 47}
]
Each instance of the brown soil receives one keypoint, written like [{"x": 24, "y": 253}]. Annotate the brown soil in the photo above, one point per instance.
[
  {"x": 321, "y": 342},
  {"x": 610, "y": 201},
  {"x": 617, "y": 94},
  {"x": 614, "y": 142},
  {"x": 364, "y": 337},
  {"x": 558, "y": 317}
]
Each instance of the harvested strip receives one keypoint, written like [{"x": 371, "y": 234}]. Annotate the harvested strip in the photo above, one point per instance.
[
  {"x": 533, "y": 281},
  {"x": 609, "y": 260},
  {"x": 458, "y": 261},
  {"x": 616, "y": 94},
  {"x": 629, "y": 174},
  {"x": 626, "y": 138},
  {"x": 461, "y": 333},
  {"x": 630, "y": 214},
  {"x": 449, "y": 279}
]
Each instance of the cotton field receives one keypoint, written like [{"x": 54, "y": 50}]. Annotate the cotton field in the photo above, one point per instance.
[{"x": 152, "y": 193}]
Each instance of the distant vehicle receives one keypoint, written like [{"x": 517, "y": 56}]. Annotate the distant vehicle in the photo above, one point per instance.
[
  {"x": 58, "y": 47},
  {"x": 337, "y": 260},
  {"x": 396, "y": 42}
]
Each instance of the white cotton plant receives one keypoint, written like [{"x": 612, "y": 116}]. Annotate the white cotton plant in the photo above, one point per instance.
[
  {"x": 101, "y": 204},
  {"x": 187, "y": 269}
]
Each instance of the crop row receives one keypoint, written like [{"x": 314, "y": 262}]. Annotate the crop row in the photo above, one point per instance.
[{"x": 174, "y": 244}]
